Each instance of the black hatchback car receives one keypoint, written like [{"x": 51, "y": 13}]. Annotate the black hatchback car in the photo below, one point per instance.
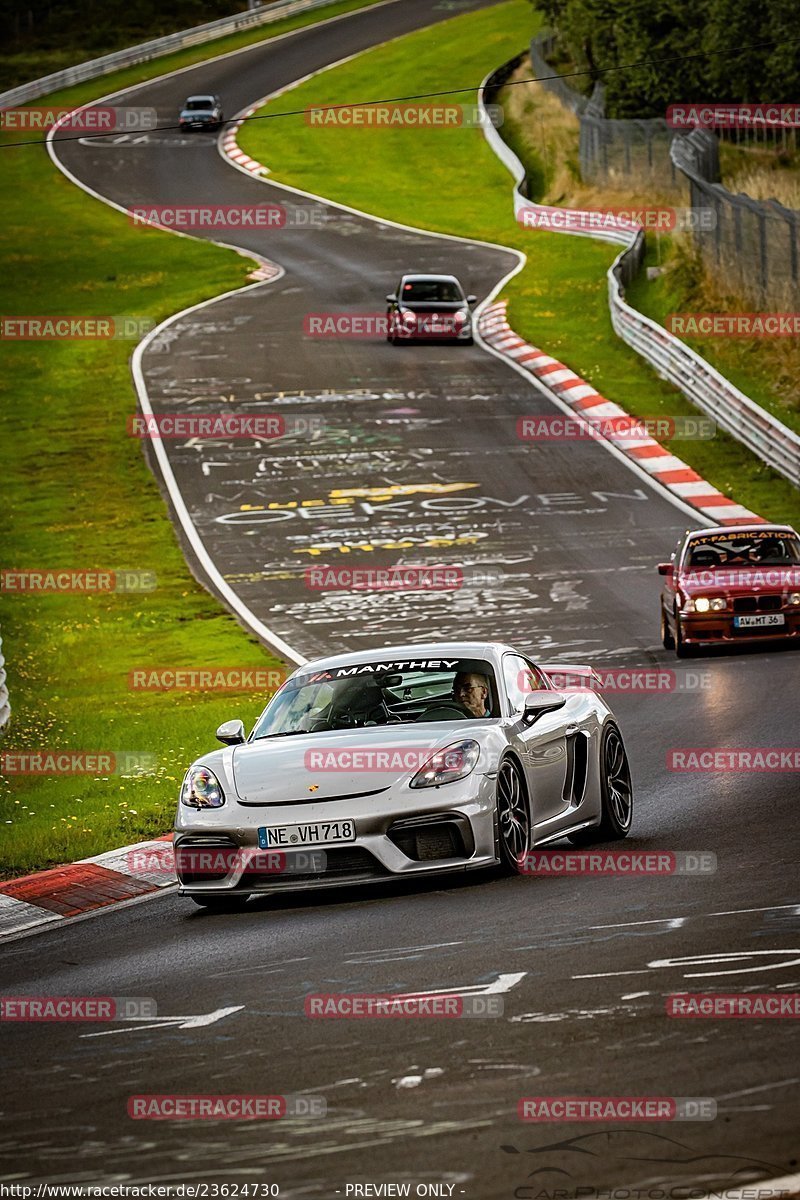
[{"x": 429, "y": 308}]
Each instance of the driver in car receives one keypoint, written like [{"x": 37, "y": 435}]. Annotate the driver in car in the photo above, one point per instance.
[{"x": 472, "y": 690}]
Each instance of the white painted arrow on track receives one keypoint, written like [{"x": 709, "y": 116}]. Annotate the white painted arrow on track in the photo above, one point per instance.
[
  {"x": 170, "y": 1022},
  {"x": 503, "y": 983}
]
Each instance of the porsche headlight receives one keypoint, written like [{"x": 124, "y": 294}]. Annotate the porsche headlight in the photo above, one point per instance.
[
  {"x": 448, "y": 764},
  {"x": 793, "y": 598},
  {"x": 201, "y": 789}
]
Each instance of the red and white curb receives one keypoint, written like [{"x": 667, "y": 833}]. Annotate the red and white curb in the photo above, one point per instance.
[
  {"x": 230, "y": 147},
  {"x": 82, "y": 887},
  {"x": 596, "y": 411}
]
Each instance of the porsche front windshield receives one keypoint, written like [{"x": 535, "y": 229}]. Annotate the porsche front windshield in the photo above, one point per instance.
[{"x": 353, "y": 697}]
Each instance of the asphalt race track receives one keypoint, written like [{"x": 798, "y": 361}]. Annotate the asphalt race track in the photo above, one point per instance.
[{"x": 585, "y": 964}]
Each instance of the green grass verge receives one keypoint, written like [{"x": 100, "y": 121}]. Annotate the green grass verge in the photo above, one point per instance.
[
  {"x": 77, "y": 494},
  {"x": 450, "y": 181},
  {"x": 764, "y": 369}
]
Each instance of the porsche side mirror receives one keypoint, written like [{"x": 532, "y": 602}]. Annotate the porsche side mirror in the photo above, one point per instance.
[
  {"x": 390, "y": 299},
  {"x": 231, "y": 733},
  {"x": 539, "y": 703},
  {"x": 471, "y": 299},
  {"x": 665, "y": 568}
]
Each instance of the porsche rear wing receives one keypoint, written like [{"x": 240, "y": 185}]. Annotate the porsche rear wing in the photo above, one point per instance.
[{"x": 567, "y": 677}]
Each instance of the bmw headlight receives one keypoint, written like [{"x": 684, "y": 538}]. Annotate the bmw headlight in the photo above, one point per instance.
[
  {"x": 448, "y": 764},
  {"x": 201, "y": 789},
  {"x": 704, "y": 604}
]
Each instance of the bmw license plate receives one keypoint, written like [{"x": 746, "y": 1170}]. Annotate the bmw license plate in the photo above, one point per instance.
[
  {"x": 321, "y": 833},
  {"x": 767, "y": 619}
]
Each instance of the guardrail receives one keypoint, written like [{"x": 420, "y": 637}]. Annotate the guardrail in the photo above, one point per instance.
[
  {"x": 5, "y": 706},
  {"x": 146, "y": 51},
  {"x": 674, "y": 361}
]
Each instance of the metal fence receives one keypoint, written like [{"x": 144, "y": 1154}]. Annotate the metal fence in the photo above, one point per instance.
[
  {"x": 146, "y": 51},
  {"x": 754, "y": 248},
  {"x": 674, "y": 361},
  {"x": 5, "y": 707},
  {"x": 611, "y": 151}
]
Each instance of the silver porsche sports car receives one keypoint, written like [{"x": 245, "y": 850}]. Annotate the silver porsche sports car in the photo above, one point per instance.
[{"x": 408, "y": 760}]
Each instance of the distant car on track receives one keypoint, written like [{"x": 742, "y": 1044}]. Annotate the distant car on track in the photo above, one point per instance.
[
  {"x": 731, "y": 584},
  {"x": 405, "y": 761},
  {"x": 201, "y": 112},
  {"x": 429, "y": 308}
]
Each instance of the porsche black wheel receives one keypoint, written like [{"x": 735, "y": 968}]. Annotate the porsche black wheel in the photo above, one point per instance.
[
  {"x": 616, "y": 793},
  {"x": 513, "y": 818}
]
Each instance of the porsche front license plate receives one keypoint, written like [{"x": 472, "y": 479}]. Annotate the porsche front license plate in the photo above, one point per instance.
[
  {"x": 767, "y": 619},
  {"x": 320, "y": 834}
]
